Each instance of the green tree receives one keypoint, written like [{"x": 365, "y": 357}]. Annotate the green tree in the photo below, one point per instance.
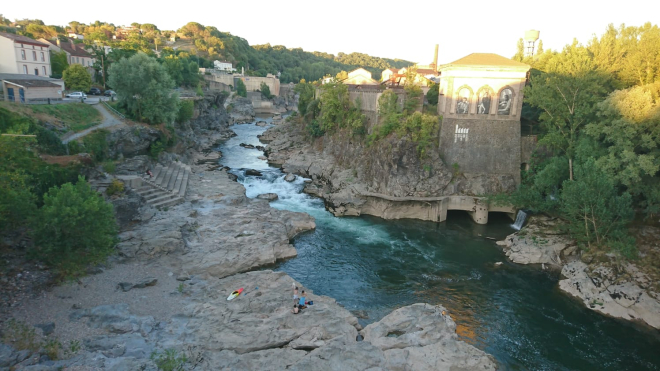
[
  {"x": 240, "y": 88},
  {"x": 567, "y": 102},
  {"x": 77, "y": 78},
  {"x": 305, "y": 96},
  {"x": 75, "y": 227},
  {"x": 520, "y": 51},
  {"x": 433, "y": 93},
  {"x": 145, "y": 89},
  {"x": 265, "y": 91},
  {"x": 594, "y": 210},
  {"x": 627, "y": 127},
  {"x": 58, "y": 63}
]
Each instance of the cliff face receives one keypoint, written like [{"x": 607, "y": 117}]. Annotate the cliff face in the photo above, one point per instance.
[
  {"x": 343, "y": 170},
  {"x": 210, "y": 122}
]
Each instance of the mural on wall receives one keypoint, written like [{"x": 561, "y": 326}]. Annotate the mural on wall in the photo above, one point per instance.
[
  {"x": 483, "y": 108},
  {"x": 504, "y": 105},
  {"x": 463, "y": 101}
]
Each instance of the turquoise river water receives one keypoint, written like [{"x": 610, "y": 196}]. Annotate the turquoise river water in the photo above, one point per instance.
[{"x": 372, "y": 266}]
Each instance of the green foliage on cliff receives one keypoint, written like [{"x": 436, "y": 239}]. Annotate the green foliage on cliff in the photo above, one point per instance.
[
  {"x": 337, "y": 111},
  {"x": 265, "y": 91},
  {"x": 144, "y": 89},
  {"x": 306, "y": 93},
  {"x": 76, "y": 227},
  {"x": 240, "y": 88},
  {"x": 58, "y": 63},
  {"x": 186, "y": 111}
]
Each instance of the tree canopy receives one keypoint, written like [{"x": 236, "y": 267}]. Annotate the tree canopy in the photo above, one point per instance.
[{"x": 77, "y": 78}]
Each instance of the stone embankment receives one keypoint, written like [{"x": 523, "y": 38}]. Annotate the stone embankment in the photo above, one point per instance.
[
  {"x": 387, "y": 179},
  {"x": 606, "y": 285},
  {"x": 166, "y": 291}
]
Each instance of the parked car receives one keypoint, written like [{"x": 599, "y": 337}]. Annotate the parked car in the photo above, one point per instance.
[
  {"x": 94, "y": 91},
  {"x": 77, "y": 94},
  {"x": 109, "y": 93}
]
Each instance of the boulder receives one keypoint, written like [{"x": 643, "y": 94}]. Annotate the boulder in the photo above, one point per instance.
[
  {"x": 131, "y": 140},
  {"x": 252, "y": 172},
  {"x": 127, "y": 209},
  {"x": 290, "y": 177},
  {"x": 46, "y": 329},
  {"x": 268, "y": 196}
]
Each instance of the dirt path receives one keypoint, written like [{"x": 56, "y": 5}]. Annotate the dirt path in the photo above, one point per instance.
[{"x": 108, "y": 121}]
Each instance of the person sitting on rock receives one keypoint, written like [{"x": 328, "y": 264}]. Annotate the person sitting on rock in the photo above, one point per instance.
[
  {"x": 301, "y": 302},
  {"x": 151, "y": 175},
  {"x": 295, "y": 309}
]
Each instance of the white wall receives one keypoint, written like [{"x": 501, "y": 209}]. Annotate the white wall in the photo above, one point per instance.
[{"x": 7, "y": 60}]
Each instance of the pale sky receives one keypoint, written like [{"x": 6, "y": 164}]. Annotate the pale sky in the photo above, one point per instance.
[{"x": 390, "y": 29}]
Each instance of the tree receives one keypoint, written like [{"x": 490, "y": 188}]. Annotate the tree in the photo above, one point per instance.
[
  {"x": 567, "y": 98},
  {"x": 305, "y": 96},
  {"x": 433, "y": 93},
  {"x": 627, "y": 127},
  {"x": 75, "y": 227},
  {"x": 539, "y": 48},
  {"x": 77, "y": 78},
  {"x": 265, "y": 90},
  {"x": 594, "y": 210},
  {"x": 145, "y": 89},
  {"x": 58, "y": 63},
  {"x": 240, "y": 88},
  {"x": 520, "y": 51}
]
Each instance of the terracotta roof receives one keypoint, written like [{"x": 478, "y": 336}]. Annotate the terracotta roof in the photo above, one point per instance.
[
  {"x": 75, "y": 49},
  {"x": 395, "y": 70},
  {"x": 22, "y": 39},
  {"x": 426, "y": 71},
  {"x": 33, "y": 83},
  {"x": 485, "y": 59}
]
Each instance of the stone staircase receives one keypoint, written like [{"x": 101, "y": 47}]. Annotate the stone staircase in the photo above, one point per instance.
[{"x": 167, "y": 187}]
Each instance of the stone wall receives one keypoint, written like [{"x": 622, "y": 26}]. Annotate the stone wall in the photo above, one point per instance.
[
  {"x": 527, "y": 147},
  {"x": 482, "y": 146}
]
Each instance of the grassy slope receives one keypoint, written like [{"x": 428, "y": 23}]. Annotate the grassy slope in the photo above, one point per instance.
[{"x": 77, "y": 116}]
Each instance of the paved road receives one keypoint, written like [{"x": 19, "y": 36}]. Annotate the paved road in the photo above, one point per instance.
[{"x": 108, "y": 121}]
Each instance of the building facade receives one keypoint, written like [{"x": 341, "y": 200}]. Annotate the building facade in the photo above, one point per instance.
[
  {"x": 480, "y": 102},
  {"x": 75, "y": 53},
  {"x": 23, "y": 55}
]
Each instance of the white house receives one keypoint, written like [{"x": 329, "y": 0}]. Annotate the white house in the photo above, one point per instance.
[
  {"x": 223, "y": 66},
  {"x": 23, "y": 55}
]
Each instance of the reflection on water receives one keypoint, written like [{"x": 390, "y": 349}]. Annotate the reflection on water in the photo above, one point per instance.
[{"x": 513, "y": 312}]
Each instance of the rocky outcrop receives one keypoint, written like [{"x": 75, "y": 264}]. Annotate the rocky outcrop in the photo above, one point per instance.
[
  {"x": 343, "y": 171},
  {"x": 619, "y": 291},
  {"x": 209, "y": 125},
  {"x": 423, "y": 337},
  {"x": 539, "y": 242},
  {"x": 241, "y": 110},
  {"x": 131, "y": 140}
]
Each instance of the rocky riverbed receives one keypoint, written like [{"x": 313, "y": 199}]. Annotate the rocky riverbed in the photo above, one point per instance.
[{"x": 163, "y": 297}]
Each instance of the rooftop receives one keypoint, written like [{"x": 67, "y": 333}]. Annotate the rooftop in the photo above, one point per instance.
[
  {"x": 21, "y": 39},
  {"x": 485, "y": 60},
  {"x": 21, "y": 76},
  {"x": 33, "y": 83}
]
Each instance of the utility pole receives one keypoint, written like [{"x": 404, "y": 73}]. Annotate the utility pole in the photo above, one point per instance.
[{"x": 103, "y": 67}]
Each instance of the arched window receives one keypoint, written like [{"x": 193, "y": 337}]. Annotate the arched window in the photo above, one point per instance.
[
  {"x": 484, "y": 97},
  {"x": 463, "y": 101},
  {"x": 504, "y": 101}
]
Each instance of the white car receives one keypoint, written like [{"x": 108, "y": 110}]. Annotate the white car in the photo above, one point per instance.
[{"x": 77, "y": 94}]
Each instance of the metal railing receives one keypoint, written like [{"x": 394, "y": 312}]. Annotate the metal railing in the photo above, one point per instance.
[{"x": 113, "y": 110}]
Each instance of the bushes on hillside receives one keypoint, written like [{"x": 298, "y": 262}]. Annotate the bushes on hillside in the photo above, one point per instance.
[
  {"x": 186, "y": 111},
  {"x": 75, "y": 227}
]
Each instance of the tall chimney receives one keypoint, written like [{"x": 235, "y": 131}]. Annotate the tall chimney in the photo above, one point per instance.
[{"x": 435, "y": 57}]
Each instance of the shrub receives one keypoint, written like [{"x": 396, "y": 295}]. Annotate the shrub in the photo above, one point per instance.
[
  {"x": 20, "y": 336},
  {"x": 96, "y": 145},
  {"x": 49, "y": 142},
  {"x": 240, "y": 88},
  {"x": 75, "y": 227},
  {"x": 265, "y": 90},
  {"x": 186, "y": 110},
  {"x": 156, "y": 148},
  {"x": 52, "y": 348},
  {"x": 109, "y": 167},
  {"x": 169, "y": 360},
  {"x": 314, "y": 129},
  {"x": 115, "y": 187}
]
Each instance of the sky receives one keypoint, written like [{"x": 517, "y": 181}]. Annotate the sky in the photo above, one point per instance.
[{"x": 390, "y": 29}]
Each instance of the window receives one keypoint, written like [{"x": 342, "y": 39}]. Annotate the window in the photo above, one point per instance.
[
  {"x": 43, "y": 57},
  {"x": 36, "y": 71},
  {"x": 23, "y": 54},
  {"x": 25, "y": 69},
  {"x": 34, "y": 55},
  {"x": 44, "y": 69},
  {"x": 77, "y": 60}
]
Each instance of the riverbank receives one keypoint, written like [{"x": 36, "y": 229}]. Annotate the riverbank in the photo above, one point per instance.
[
  {"x": 602, "y": 281},
  {"x": 166, "y": 290},
  {"x": 606, "y": 285}
]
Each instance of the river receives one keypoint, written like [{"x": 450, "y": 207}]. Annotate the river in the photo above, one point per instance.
[{"x": 372, "y": 266}]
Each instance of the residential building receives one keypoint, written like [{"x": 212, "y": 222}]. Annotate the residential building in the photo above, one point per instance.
[
  {"x": 74, "y": 35},
  {"x": 224, "y": 66},
  {"x": 23, "y": 55},
  {"x": 22, "y": 88},
  {"x": 387, "y": 74},
  {"x": 75, "y": 53}
]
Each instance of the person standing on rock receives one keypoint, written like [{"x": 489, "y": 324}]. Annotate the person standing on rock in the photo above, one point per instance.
[
  {"x": 301, "y": 303},
  {"x": 295, "y": 294}
]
